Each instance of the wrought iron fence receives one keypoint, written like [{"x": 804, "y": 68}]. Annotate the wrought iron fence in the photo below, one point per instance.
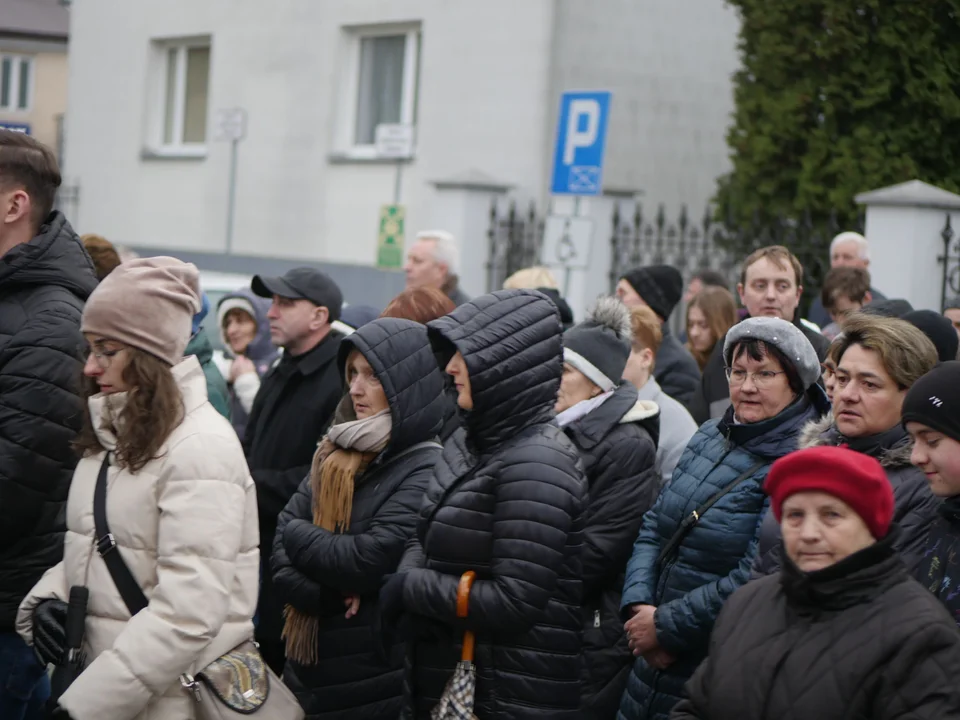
[
  {"x": 950, "y": 260},
  {"x": 515, "y": 239},
  {"x": 691, "y": 245}
]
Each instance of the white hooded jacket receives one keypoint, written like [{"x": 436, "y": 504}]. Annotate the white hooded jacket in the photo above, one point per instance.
[{"x": 186, "y": 526}]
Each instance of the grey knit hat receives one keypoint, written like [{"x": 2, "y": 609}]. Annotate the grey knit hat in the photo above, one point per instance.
[
  {"x": 600, "y": 346},
  {"x": 782, "y": 335}
]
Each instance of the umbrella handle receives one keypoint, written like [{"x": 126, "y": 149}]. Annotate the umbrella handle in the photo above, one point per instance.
[{"x": 463, "y": 603}]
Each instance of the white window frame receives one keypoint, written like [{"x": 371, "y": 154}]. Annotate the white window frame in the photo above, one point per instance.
[
  {"x": 16, "y": 62},
  {"x": 350, "y": 88},
  {"x": 158, "y": 113}
]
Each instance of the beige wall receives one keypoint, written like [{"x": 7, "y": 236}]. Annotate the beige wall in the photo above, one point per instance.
[{"x": 49, "y": 94}]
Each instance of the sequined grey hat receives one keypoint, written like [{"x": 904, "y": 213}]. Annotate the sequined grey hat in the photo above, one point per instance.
[{"x": 784, "y": 336}]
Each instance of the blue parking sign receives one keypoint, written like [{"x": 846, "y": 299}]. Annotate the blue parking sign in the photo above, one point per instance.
[{"x": 581, "y": 135}]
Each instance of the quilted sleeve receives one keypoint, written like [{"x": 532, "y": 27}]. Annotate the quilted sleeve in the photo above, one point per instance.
[
  {"x": 202, "y": 503},
  {"x": 681, "y": 379},
  {"x": 685, "y": 624},
  {"x": 292, "y": 585},
  {"x": 920, "y": 679},
  {"x": 538, "y": 496},
  {"x": 640, "y": 585},
  {"x": 40, "y": 414},
  {"x": 623, "y": 489},
  {"x": 52, "y": 586},
  {"x": 915, "y": 508},
  {"x": 357, "y": 563}
]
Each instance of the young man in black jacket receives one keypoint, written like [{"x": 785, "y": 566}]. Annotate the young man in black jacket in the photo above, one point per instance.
[
  {"x": 771, "y": 285},
  {"x": 45, "y": 277},
  {"x": 292, "y": 410}
]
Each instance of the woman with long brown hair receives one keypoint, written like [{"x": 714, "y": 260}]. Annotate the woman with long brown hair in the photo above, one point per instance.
[
  {"x": 346, "y": 527},
  {"x": 710, "y": 314},
  {"x": 180, "y": 508}
]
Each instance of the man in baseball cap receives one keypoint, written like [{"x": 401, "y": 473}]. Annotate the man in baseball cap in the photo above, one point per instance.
[{"x": 296, "y": 401}]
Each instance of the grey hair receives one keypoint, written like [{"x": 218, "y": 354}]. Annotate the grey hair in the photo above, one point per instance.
[
  {"x": 445, "y": 250},
  {"x": 863, "y": 247},
  {"x": 613, "y": 314}
]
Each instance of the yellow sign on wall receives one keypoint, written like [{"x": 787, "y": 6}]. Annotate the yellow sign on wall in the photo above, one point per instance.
[{"x": 390, "y": 241}]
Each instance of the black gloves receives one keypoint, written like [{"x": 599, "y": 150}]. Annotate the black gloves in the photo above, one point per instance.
[
  {"x": 49, "y": 631},
  {"x": 60, "y": 714}
]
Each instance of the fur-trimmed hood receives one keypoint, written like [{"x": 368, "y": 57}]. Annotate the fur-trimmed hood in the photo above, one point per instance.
[{"x": 824, "y": 432}]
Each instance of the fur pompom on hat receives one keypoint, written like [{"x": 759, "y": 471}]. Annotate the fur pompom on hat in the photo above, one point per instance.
[
  {"x": 148, "y": 304},
  {"x": 600, "y": 346}
]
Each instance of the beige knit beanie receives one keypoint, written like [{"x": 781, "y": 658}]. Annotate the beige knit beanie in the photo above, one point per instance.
[{"x": 146, "y": 303}]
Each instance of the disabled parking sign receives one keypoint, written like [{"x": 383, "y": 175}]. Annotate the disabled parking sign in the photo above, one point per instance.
[{"x": 581, "y": 135}]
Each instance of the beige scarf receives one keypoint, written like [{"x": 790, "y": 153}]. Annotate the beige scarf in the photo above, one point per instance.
[{"x": 341, "y": 456}]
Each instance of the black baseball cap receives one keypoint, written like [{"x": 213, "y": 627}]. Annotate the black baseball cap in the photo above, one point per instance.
[{"x": 302, "y": 283}]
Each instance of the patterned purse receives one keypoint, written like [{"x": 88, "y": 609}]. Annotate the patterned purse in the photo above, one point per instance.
[{"x": 239, "y": 684}]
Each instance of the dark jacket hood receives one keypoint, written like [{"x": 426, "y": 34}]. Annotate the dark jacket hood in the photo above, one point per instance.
[
  {"x": 54, "y": 257},
  {"x": 512, "y": 344},
  {"x": 261, "y": 350},
  {"x": 621, "y": 408},
  {"x": 400, "y": 355},
  {"x": 200, "y": 347}
]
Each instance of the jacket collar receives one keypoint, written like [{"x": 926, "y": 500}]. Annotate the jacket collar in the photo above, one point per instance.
[
  {"x": 650, "y": 391},
  {"x": 855, "y": 580},
  {"x": 314, "y": 360},
  {"x": 892, "y": 448},
  {"x": 193, "y": 389},
  {"x": 773, "y": 437}
]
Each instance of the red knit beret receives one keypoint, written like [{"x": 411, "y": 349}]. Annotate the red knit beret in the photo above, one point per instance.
[{"x": 855, "y": 478}]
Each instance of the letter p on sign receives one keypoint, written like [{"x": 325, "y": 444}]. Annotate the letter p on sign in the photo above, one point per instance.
[{"x": 581, "y": 135}]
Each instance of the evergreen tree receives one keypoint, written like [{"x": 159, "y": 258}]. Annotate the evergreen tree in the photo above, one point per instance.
[{"x": 836, "y": 97}]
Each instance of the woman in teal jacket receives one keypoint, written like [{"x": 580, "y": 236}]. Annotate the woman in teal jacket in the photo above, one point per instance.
[{"x": 689, "y": 559}]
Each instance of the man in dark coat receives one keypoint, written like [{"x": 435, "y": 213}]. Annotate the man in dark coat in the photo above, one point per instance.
[
  {"x": 504, "y": 501},
  {"x": 314, "y": 568},
  {"x": 45, "y": 277},
  {"x": 771, "y": 285},
  {"x": 292, "y": 410},
  {"x": 660, "y": 288}
]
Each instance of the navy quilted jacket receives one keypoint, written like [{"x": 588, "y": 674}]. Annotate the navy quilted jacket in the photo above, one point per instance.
[
  {"x": 314, "y": 569},
  {"x": 714, "y": 558}
]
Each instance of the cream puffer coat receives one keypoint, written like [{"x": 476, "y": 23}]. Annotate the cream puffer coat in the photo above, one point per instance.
[{"x": 186, "y": 525}]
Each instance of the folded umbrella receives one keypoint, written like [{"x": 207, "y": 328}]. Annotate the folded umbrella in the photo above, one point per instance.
[{"x": 460, "y": 692}]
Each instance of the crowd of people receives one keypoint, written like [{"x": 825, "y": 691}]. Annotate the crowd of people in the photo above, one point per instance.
[{"x": 655, "y": 526}]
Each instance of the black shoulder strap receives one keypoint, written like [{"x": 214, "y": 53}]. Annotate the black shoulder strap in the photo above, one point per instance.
[
  {"x": 126, "y": 584},
  {"x": 693, "y": 518}
]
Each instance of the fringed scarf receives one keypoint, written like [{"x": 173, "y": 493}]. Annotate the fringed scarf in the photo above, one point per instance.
[{"x": 341, "y": 456}]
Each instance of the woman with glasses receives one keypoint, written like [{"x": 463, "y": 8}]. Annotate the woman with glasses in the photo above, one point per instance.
[
  {"x": 700, "y": 537},
  {"x": 180, "y": 506}
]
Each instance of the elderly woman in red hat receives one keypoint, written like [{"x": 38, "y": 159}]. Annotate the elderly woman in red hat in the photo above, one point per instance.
[{"x": 843, "y": 630}]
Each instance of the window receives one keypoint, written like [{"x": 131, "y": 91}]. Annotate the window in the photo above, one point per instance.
[
  {"x": 16, "y": 79},
  {"x": 186, "y": 81},
  {"x": 383, "y": 83}
]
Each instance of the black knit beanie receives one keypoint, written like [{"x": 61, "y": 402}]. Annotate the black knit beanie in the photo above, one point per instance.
[
  {"x": 660, "y": 286},
  {"x": 940, "y": 331},
  {"x": 934, "y": 400}
]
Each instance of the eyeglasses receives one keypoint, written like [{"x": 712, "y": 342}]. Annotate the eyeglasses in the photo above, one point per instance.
[
  {"x": 104, "y": 356},
  {"x": 761, "y": 378}
]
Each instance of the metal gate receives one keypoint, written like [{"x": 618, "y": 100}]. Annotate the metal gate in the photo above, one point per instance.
[
  {"x": 950, "y": 287},
  {"x": 515, "y": 239}
]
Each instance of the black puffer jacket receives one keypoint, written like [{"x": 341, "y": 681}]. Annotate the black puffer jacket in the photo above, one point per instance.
[
  {"x": 618, "y": 444},
  {"x": 915, "y": 508},
  {"x": 860, "y": 639},
  {"x": 505, "y": 501},
  {"x": 314, "y": 569},
  {"x": 43, "y": 285}
]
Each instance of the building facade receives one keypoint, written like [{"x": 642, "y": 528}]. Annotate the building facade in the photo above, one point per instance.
[
  {"x": 33, "y": 68},
  {"x": 479, "y": 83}
]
